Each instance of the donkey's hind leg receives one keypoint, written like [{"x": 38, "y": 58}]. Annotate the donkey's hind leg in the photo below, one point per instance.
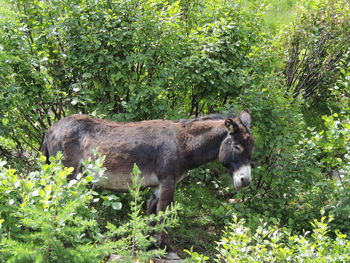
[{"x": 77, "y": 168}]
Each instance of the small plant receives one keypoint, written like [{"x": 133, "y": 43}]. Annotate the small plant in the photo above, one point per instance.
[
  {"x": 136, "y": 236},
  {"x": 274, "y": 244},
  {"x": 330, "y": 149},
  {"x": 195, "y": 257},
  {"x": 47, "y": 218}
]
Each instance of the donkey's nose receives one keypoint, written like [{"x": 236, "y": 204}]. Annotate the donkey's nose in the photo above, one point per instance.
[
  {"x": 242, "y": 177},
  {"x": 244, "y": 181}
]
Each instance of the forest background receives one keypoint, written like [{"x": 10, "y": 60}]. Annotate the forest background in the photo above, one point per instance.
[{"x": 127, "y": 60}]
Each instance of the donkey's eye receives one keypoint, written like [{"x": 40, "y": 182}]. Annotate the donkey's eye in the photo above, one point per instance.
[{"x": 238, "y": 148}]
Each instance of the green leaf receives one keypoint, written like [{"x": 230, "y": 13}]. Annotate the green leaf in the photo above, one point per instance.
[{"x": 117, "y": 205}]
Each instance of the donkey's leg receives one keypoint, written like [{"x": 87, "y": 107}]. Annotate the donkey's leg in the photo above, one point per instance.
[
  {"x": 153, "y": 202},
  {"x": 166, "y": 198},
  {"x": 76, "y": 165},
  {"x": 152, "y": 209}
]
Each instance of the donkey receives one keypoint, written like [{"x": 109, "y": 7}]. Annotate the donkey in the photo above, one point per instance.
[{"x": 163, "y": 150}]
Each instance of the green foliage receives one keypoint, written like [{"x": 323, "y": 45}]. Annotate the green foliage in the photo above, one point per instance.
[
  {"x": 280, "y": 13},
  {"x": 127, "y": 60},
  {"x": 133, "y": 60},
  {"x": 279, "y": 171},
  {"x": 334, "y": 142},
  {"x": 10, "y": 199},
  {"x": 195, "y": 257},
  {"x": 46, "y": 218},
  {"x": 135, "y": 237},
  {"x": 273, "y": 244},
  {"x": 220, "y": 57},
  {"x": 204, "y": 213},
  {"x": 316, "y": 53},
  {"x": 328, "y": 150},
  {"x": 4, "y": 4},
  {"x": 291, "y": 180}
]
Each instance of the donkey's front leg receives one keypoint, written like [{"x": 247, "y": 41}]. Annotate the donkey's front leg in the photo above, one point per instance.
[
  {"x": 166, "y": 198},
  {"x": 153, "y": 202}
]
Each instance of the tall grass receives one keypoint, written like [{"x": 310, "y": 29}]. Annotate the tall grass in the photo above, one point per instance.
[
  {"x": 4, "y": 5},
  {"x": 280, "y": 12}
]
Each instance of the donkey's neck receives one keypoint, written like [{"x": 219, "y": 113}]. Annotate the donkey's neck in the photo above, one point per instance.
[{"x": 202, "y": 142}]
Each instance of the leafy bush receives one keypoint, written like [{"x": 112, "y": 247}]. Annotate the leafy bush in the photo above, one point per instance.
[
  {"x": 301, "y": 166},
  {"x": 132, "y": 60},
  {"x": 270, "y": 244},
  {"x": 274, "y": 244},
  {"x": 127, "y": 60},
  {"x": 333, "y": 143},
  {"x": 288, "y": 177},
  {"x": 329, "y": 150},
  {"x": 135, "y": 237},
  {"x": 316, "y": 48},
  {"x": 46, "y": 218},
  {"x": 203, "y": 215}
]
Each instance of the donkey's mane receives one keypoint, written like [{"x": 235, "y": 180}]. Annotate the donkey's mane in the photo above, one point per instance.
[{"x": 211, "y": 117}]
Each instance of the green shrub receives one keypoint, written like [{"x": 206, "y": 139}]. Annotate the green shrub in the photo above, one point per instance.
[
  {"x": 131, "y": 60},
  {"x": 329, "y": 150},
  {"x": 204, "y": 214},
  {"x": 315, "y": 50},
  {"x": 273, "y": 244},
  {"x": 134, "y": 238},
  {"x": 46, "y": 218},
  {"x": 128, "y": 60}
]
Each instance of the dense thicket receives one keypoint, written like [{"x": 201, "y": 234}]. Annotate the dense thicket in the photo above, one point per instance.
[{"x": 135, "y": 60}]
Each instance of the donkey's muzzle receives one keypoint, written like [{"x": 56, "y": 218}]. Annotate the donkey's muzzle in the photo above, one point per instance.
[{"x": 242, "y": 177}]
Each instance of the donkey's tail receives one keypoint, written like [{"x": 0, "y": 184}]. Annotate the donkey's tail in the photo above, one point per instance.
[{"x": 44, "y": 150}]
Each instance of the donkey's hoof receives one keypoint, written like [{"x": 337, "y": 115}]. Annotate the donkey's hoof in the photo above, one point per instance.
[
  {"x": 114, "y": 258},
  {"x": 172, "y": 256}
]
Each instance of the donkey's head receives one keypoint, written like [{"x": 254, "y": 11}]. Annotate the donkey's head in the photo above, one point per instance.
[{"x": 236, "y": 149}]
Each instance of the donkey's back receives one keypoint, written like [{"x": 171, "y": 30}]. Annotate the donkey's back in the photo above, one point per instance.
[{"x": 152, "y": 145}]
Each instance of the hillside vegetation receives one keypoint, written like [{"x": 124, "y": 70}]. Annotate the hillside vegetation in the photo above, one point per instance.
[{"x": 288, "y": 62}]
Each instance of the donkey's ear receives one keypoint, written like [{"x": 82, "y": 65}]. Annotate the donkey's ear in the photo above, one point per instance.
[
  {"x": 231, "y": 125},
  {"x": 246, "y": 118}
]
